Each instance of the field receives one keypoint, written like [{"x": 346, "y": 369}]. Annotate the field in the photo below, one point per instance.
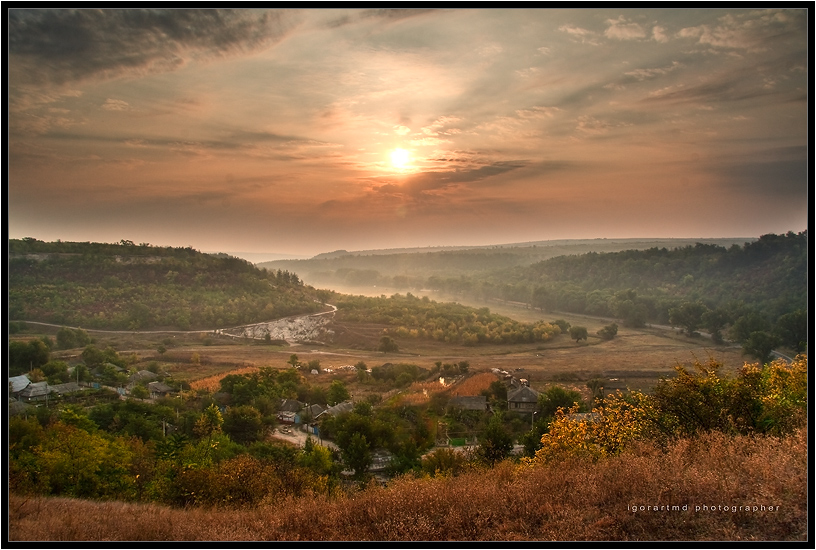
[{"x": 635, "y": 358}]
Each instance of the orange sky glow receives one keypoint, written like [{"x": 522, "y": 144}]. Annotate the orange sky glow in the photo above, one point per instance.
[{"x": 298, "y": 132}]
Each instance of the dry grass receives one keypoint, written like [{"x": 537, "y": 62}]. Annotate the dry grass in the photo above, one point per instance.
[
  {"x": 473, "y": 385},
  {"x": 213, "y": 383},
  {"x": 568, "y": 501}
]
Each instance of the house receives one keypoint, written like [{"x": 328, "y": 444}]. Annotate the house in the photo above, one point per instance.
[
  {"x": 36, "y": 391},
  {"x": 288, "y": 417},
  {"x": 159, "y": 389},
  {"x": 18, "y": 384},
  {"x": 141, "y": 376},
  {"x": 522, "y": 399},
  {"x": 64, "y": 389},
  {"x": 345, "y": 406},
  {"x": 290, "y": 405},
  {"x": 469, "y": 402}
]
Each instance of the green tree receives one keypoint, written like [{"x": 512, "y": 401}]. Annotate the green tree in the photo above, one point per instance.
[
  {"x": 293, "y": 360},
  {"x": 688, "y": 316},
  {"x": 495, "y": 443},
  {"x": 608, "y": 332},
  {"x": 25, "y": 356},
  {"x": 140, "y": 392},
  {"x": 760, "y": 344},
  {"x": 750, "y": 322},
  {"x": 243, "y": 424},
  {"x": 337, "y": 393},
  {"x": 714, "y": 321},
  {"x": 357, "y": 454},
  {"x": 578, "y": 333},
  {"x": 555, "y": 397},
  {"x": 387, "y": 344},
  {"x": 791, "y": 329}
]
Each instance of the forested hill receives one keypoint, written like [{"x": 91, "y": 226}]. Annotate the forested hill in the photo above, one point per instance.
[
  {"x": 126, "y": 286},
  {"x": 412, "y": 268},
  {"x": 769, "y": 274}
]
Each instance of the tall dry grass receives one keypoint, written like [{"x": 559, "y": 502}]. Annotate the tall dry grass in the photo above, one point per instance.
[{"x": 567, "y": 501}]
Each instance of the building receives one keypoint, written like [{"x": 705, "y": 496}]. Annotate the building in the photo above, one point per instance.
[
  {"x": 36, "y": 391},
  {"x": 522, "y": 399},
  {"x": 159, "y": 389},
  {"x": 18, "y": 384}
]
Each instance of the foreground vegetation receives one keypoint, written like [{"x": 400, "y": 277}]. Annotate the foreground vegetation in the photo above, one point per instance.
[
  {"x": 711, "y": 487},
  {"x": 120, "y": 450}
]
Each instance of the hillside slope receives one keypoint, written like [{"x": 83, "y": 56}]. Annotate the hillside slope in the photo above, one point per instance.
[{"x": 127, "y": 286}]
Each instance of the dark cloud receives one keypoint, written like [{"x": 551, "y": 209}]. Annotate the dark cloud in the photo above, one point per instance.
[
  {"x": 62, "y": 45},
  {"x": 429, "y": 181},
  {"x": 393, "y": 14}
]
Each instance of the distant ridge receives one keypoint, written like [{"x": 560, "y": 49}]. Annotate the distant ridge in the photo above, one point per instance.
[{"x": 681, "y": 241}]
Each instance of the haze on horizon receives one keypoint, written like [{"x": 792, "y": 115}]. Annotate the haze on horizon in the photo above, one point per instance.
[{"x": 305, "y": 131}]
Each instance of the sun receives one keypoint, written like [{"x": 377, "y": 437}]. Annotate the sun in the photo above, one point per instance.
[{"x": 400, "y": 158}]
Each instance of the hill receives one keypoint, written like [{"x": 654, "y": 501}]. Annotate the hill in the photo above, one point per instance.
[
  {"x": 409, "y": 268},
  {"x": 128, "y": 286}
]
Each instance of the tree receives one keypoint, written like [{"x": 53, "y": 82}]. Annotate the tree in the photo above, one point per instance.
[
  {"x": 495, "y": 443},
  {"x": 596, "y": 388},
  {"x": 609, "y": 331},
  {"x": 337, "y": 393},
  {"x": 209, "y": 422},
  {"x": 562, "y": 324},
  {"x": 760, "y": 344},
  {"x": 243, "y": 424},
  {"x": 24, "y": 356},
  {"x": 714, "y": 321},
  {"x": 750, "y": 322},
  {"x": 357, "y": 454},
  {"x": 387, "y": 344},
  {"x": 556, "y": 397},
  {"x": 578, "y": 333},
  {"x": 140, "y": 392},
  {"x": 293, "y": 360},
  {"x": 688, "y": 316},
  {"x": 791, "y": 329}
]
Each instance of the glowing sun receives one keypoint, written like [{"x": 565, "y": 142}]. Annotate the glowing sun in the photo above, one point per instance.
[{"x": 400, "y": 158}]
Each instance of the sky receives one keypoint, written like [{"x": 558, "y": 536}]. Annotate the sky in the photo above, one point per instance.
[{"x": 297, "y": 132}]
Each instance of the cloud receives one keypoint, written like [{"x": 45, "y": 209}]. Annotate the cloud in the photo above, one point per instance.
[
  {"x": 646, "y": 74},
  {"x": 115, "y": 105},
  {"x": 580, "y": 34},
  {"x": 659, "y": 34},
  {"x": 62, "y": 45},
  {"x": 753, "y": 31},
  {"x": 622, "y": 29}
]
